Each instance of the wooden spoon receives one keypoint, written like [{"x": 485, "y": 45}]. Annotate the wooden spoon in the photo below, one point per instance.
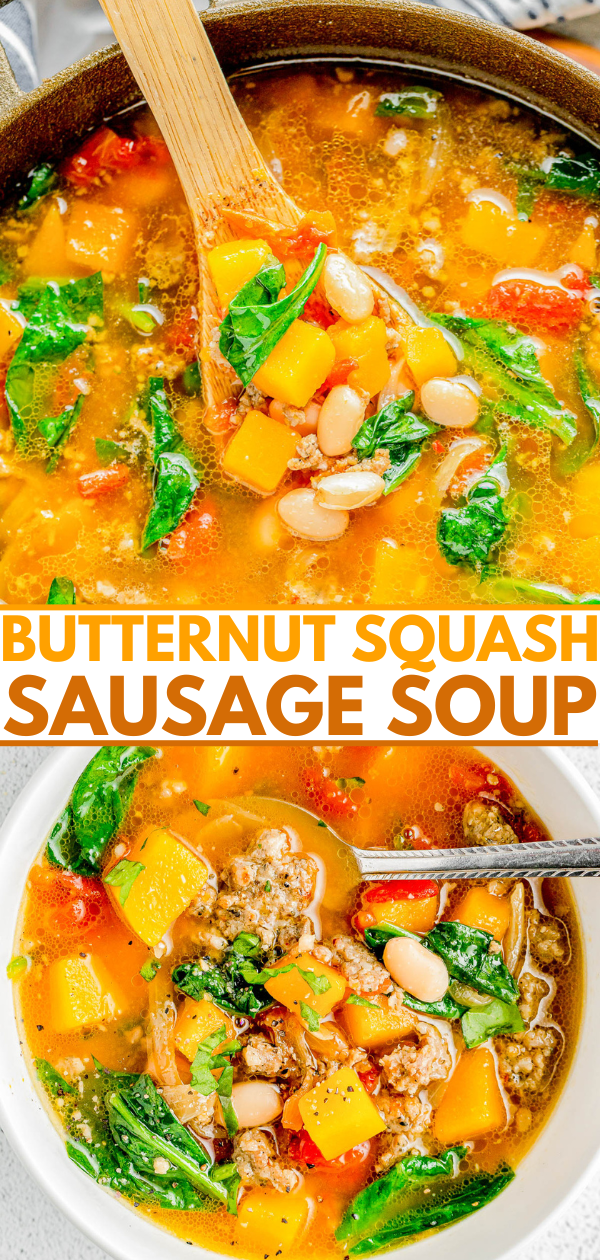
[{"x": 217, "y": 161}]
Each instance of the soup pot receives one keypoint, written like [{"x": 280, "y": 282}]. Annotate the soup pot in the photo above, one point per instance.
[
  {"x": 552, "y": 1173},
  {"x": 45, "y": 123}
]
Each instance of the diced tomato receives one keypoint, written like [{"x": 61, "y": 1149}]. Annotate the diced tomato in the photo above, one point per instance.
[
  {"x": 438, "y": 447},
  {"x": 468, "y": 779},
  {"x": 326, "y": 795},
  {"x": 539, "y": 307},
  {"x": 402, "y": 890},
  {"x": 303, "y": 1148},
  {"x": 316, "y": 311},
  {"x": 105, "y": 152},
  {"x": 340, "y": 372},
  {"x": 316, "y": 228},
  {"x": 218, "y": 418},
  {"x": 469, "y": 471},
  {"x": 531, "y": 834},
  {"x": 182, "y": 333},
  {"x": 103, "y": 481},
  {"x": 75, "y": 903},
  {"x": 196, "y": 536},
  {"x": 369, "y": 1079}
]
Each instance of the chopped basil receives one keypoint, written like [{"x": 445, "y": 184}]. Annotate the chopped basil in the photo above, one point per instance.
[
  {"x": 62, "y": 591},
  {"x": 202, "y": 807},
  {"x": 210, "y": 1056},
  {"x": 42, "y": 180},
  {"x": 52, "y": 1080},
  {"x": 413, "y": 102},
  {"x": 123, "y": 877},
  {"x": 149, "y": 969}
]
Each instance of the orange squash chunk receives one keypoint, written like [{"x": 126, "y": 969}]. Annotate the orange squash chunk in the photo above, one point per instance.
[
  {"x": 376, "y": 1025},
  {"x": 297, "y": 366},
  {"x": 366, "y": 343},
  {"x": 291, "y": 988},
  {"x": 48, "y": 251},
  {"x": 428, "y": 354},
  {"x": 480, "y": 909},
  {"x": 271, "y": 1222},
  {"x": 100, "y": 237},
  {"x": 472, "y": 1104},
  {"x": 339, "y": 1114},
  {"x": 81, "y": 991},
  {"x": 258, "y": 453},
  {"x": 196, "y": 1021}
]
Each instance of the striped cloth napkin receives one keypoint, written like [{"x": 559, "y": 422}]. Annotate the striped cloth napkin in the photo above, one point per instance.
[{"x": 50, "y": 34}]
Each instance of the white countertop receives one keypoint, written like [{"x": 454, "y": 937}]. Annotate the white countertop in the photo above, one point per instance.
[{"x": 31, "y": 1227}]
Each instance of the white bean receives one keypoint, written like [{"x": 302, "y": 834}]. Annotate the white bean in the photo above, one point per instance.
[
  {"x": 416, "y": 969},
  {"x": 256, "y": 1103},
  {"x": 340, "y": 419},
  {"x": 303, "y": 515},
  {"x": 347, "y": 289},
  {"x": 449, "y": 403},
  {"x": 353, "y": 489}
]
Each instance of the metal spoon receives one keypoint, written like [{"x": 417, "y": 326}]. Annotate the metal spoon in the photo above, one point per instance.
[{"x": 545, "y": 858}]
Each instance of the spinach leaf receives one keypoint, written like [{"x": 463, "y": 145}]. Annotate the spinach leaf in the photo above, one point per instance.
[
  {"x": 396, "y": 429},
  {"x": 580, "y": 175},
  {"x": 202, "y": 808},
  {"x": 247, "y": 944},
  {"x": 212, "y": 1055},
  {"x": 469, "y": 534},
  {"x": 508, "y": 588},
  {"x": 465, "y": 951},
  {"x": 455, "y": 1201},
  {"x": 97, "y": 808},
  {"x": 258, "y": 318},
  {"x": 191, "y": 379},
  {"x": 108, "y": 451},
  {"x": 123, "y": 877},
  {"x": 107, "y": 1165},
  {"x": 413, "y": 102},
  {"x": 507, "y": 360},
  {"x": 496, "y": 1017},
  {"x": 58, "y": 429},
  {"x": 175, "y": 478},
  {"x": 62, "y": 591},
  {"x": 356, "y": 1000},
  {"x": 571, "y": 459},
  {"x": 144, "y": 1126},
  {"x": 52, "y": 1080},
  {"x": 225, "y": 983},
  {"x": 58, "y": 324},
  {"x": 41, "y": 181},
  {"x": 375, "y": 1200},
  {"x": 175, "y": 485},
  {"x": 447, "y": 1008}
]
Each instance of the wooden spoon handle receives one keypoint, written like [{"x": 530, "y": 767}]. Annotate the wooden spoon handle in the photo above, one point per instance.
[{"x": 171, "y": 57}]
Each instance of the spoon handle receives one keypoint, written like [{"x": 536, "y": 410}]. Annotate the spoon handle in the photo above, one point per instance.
[{"x": 490, "y": 861}]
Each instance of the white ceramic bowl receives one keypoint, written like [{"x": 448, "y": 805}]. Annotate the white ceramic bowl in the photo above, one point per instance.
[{"x": 553, "y": 1172}]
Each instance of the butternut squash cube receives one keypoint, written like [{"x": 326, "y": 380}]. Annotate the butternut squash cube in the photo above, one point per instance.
[
  {"x": 339, "y": 1114},
  {"x": 100, "y": 237},
  {"x": 397, "y": 571},
  {"x": 416, "y": 915},
  {"x": 297, "y": 366},
  {"x": 502, "y": 236},
  {"x": 428, "y": 354},
  {"x": 472, "y": 1103},
  {"x": 480, "y": 909},
  {"x": 583, "y": 250},
  {"x": 233, "y": 264},
  {"x": 47, "y": 254},
  {"x": 291, "y": 988},
  {"x": 376, "y": 1025},
  {"x": 172, "y": 875},
  {"x": 258, "y": 453},
  {"x": 366, "y": 343},
  {"x": 195, "y": 1022},
  {"x": 271, "y": 1222},
  {"x": 81, "y": 991},
  {"x": 11, "y": 330}
]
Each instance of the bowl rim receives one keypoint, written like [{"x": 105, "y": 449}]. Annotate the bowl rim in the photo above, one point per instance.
[{"x": 54, "y": 780}]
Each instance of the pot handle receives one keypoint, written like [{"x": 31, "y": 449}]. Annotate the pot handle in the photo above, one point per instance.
[{"x": 11, "y": 94}]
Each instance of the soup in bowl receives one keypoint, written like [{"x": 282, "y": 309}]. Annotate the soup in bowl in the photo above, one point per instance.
[
  {"x": 238, "y": 1039},
  {"x": 413, "y": 372}
]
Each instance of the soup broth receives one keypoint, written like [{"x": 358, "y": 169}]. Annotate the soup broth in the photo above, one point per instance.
[
  {"x": 479, "y": 480},
  {"x": 250, "y": 936}
]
